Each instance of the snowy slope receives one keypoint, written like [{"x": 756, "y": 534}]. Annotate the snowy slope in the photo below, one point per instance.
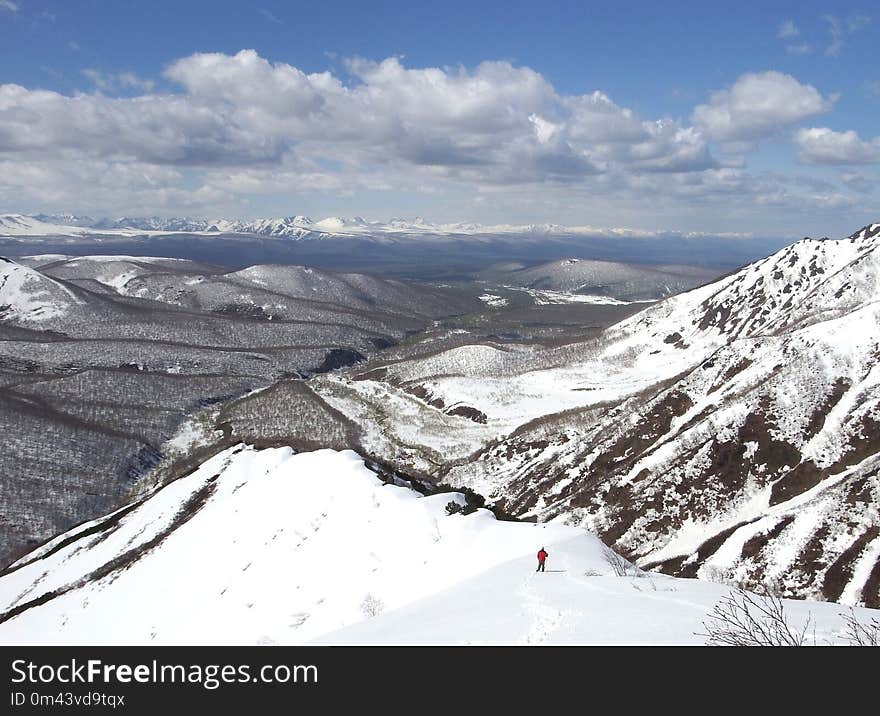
[
  {"x": 112, "y": 271},
  {"x": 577, "y": 601},
  {"x": 28, "y": 296},
  {"x": 262, "y": 547},
  {"x": 20, "y": 225},
  {"x": 734, "y": 428}
]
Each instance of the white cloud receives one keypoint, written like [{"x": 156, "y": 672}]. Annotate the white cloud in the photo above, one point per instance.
[
  {"x": 840, "y": 28},
  {"x": 238, "y": 127},
  {"x": 8, "y": 5},
  {"x": 503, "y": 119},
  {"x": 758, "y": 106},
  {"x": 820, "y": 145},
  {"x": 596, "y": 118},
  {"x": 787, "y": 30},
  {"x": 112, "y": 82}
]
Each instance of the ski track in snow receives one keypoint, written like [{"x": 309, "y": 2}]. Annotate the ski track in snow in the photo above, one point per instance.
[{"x": 544, "y": 619}]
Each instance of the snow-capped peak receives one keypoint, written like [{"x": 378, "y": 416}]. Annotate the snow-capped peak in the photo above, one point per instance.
[{"x": 808, "y": 281}]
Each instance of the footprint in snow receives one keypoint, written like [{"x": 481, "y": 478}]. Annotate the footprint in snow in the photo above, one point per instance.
[
  {"x": 544, "y": 619},
  {"x": 297, "y": 620}
]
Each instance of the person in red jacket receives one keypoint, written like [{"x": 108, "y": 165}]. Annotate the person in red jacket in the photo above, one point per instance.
[{"x": 542, "y": 557}]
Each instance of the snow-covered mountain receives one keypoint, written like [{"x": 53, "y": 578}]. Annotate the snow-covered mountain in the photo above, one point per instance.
[
  {"x": 299, "y": 227},
  {"x": 733, "y": 429},
  {"x": 272, "y": 547},
  {"x": 296, "y": 227},
  {"x": 260, "y": 291},
  {"x": 625, "y": 281},
  {"x": 21, "y": 225},
  {"x": 28, "y": 296}
]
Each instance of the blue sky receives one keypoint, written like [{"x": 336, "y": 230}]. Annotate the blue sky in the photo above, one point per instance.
[{"x": 686, "y": 116}]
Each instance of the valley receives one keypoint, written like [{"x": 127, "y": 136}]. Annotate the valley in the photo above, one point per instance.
[{"x": 724, "y": 429}]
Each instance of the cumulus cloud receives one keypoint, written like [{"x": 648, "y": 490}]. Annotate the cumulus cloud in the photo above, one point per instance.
[
  {"x": 239, "y": 126},
  {"x": 594, "y": 117},
  {"x": 821, "y": 145},
  {"x": 757, "y": 106},
  {"x": 8, "y": 5},
  {"x": 491, "y": 123},
  {"x": 158, "y": 130}
]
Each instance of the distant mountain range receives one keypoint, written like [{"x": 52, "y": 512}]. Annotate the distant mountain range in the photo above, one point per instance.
[{"x": 298, "y": 227}]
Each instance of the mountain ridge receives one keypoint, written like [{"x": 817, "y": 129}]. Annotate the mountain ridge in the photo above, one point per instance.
[
  {"x": 270, "y": 516},
  {"x": 744, "y": 412},
  {"x": 303, "y": 227}
]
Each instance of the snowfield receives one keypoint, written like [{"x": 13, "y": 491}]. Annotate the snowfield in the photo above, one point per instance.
[{"x": 272, "y": 547}]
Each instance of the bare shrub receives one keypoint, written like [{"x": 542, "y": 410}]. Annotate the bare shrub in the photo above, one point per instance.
[
  {"x": 372, "y": 606},
  {"x": 860, "y": 634},
  {"x": 621, "y": 566},
  {"x": 745, "y": 619},
  {"x": 711, "y": 573}
]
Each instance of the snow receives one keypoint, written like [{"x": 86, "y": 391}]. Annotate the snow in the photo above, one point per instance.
[
  {"x": 547, "y": 297},
  {"x": 512, "y": 605},
  {"x": 27, "y": 295},
  {"x": 192, "y": 433},
  {"x": 638, "y": 353},
  {"x": 21, "y": 225},
  {"x": 493, "y": 300},
  {"x": 100, "y": 258},
  {"x": 288, "y": 548},
  {"x": 792, "y": 337},
  {"x": 302, "y": 227},
  {"x": 861, "y": 572}
]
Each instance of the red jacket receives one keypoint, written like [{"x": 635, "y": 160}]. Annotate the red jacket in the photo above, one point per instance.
[{"x": 542, "y": 555}]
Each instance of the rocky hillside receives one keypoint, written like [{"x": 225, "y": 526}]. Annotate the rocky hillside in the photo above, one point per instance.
[{"x": 731, "y": 432}]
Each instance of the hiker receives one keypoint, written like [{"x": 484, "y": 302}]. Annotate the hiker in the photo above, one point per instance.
[{"x": 542, "y": 557}]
